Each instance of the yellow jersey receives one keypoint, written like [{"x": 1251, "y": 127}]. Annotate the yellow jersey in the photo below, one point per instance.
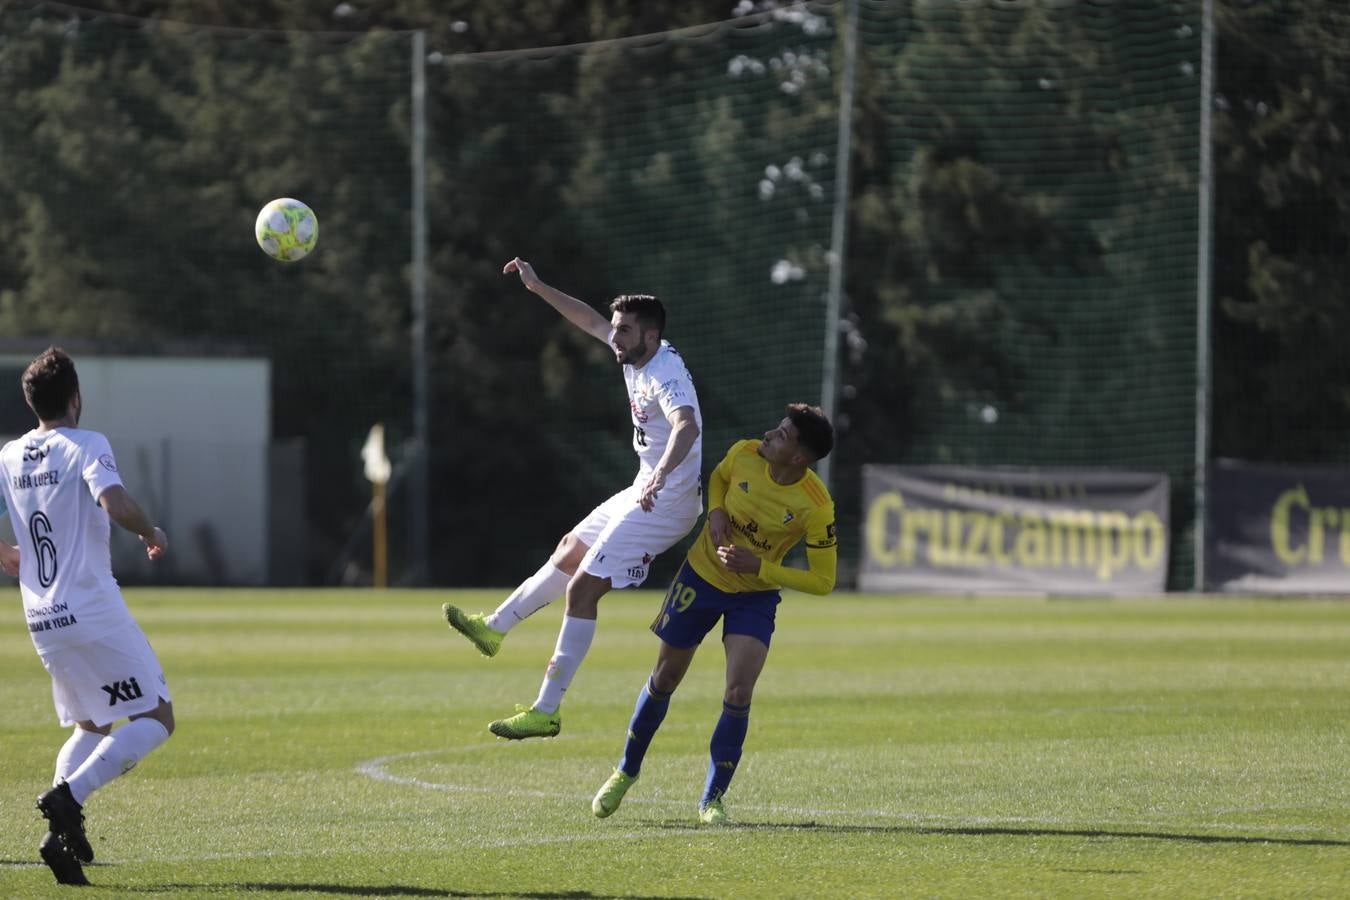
[{"x": 770, "y": 519}]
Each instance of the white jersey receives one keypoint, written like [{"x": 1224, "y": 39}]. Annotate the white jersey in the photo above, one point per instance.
[
  {"x": 655, "y": 391},
  {"x": 52, "y": 482}
]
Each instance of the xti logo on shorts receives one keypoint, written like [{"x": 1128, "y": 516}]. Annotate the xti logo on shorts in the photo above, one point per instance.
[{"x": 126, "y": 689}]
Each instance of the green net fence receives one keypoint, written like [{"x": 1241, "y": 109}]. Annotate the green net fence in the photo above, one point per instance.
[
  {"x": 1039, "y": 161},
  {"x": 1020, "y": 277}
]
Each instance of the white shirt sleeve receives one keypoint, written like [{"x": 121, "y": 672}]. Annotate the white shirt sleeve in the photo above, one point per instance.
[
  {"x": 673, "y": 393},
  {"x": 97, "y": 466}
]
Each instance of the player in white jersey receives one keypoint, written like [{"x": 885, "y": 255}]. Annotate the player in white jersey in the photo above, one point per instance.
[
  {"x": 614, "y": 546},
  {"x": 61, "y": 487}
]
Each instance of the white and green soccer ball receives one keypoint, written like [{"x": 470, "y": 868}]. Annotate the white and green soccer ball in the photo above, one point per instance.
[{"x": 286, "y": 229}]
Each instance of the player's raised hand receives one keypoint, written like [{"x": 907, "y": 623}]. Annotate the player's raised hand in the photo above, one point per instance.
[
  {"x": 738, "y": 559},
  {"x": 524, "y": 269},
  {"x": 719, "y": 527},
  {"x": 156, "y": 543},
  {"x": 647, "y": 499}
]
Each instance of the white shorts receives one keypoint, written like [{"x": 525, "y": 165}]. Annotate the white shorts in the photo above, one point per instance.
[
  {"x": 623, "y": 539},
  {"x": 111, "y": 678}
]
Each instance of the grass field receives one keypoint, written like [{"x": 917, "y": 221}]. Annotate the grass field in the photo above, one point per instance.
[{"x": 334, "y": 744}]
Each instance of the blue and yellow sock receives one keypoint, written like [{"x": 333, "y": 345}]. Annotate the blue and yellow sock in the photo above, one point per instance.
[
  {"x": 728, "y": 738},
  {"x": 648, "y": 714}
]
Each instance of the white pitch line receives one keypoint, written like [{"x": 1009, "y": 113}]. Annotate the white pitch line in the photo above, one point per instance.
[{"x": 375, "y": 768}]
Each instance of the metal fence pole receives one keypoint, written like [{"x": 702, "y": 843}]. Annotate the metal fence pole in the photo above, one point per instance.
[
  {"x": 829, "y": 388},
  {"x": 1204, "y": 269},
  {"x": 418, "y": 495}
]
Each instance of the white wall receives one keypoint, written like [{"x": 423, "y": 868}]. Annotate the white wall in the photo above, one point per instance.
[{"x": 191, "y": 437}]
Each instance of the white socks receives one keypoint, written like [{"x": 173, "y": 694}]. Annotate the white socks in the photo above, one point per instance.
[
  {"x": 116, "y": 755},
  {"x": 537, "y": 591},
  {"x": 574, "y": 640},
  {"x": 75, "y": 751}
]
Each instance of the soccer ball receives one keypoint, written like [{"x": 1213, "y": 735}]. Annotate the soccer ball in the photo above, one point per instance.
[{"x": 286, "y": 229}]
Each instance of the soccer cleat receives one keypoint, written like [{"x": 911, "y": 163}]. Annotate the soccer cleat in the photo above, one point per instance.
[
  {"x": 528, "y": 722},
  {"x": 61, "y": 861},
  {"x": 67, "y": 820},
  {"x": 610, "y": 795},
  {"x": 712, "y": 813},
  {"x": 475, "y": 628}
]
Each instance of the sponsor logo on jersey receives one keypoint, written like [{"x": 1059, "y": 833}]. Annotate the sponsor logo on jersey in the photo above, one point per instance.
[
  {"x": 749, "y": 530},
  {"x": 126, "y": 689},
  {"x": 34, "y": 453}
]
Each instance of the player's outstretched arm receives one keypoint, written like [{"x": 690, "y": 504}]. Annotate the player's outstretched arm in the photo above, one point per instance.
[
  {"x": 578, "y": 312},
  {"x": 125, "y": 511}
]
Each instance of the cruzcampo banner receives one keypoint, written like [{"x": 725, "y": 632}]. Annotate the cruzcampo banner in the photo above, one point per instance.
[
  {"x": 1054, "y": 531},
  {"x": 1277, "y": 529}
]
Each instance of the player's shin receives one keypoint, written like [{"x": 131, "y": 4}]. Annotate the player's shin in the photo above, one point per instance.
[
  {"x": 574, "y": 641},
  {"x": 116, "y": 755},
  {"x": 536, "y": 592},
  {"x": 74, "y": 752},
  {"x": 648, "y": 714},
  {"x": 728, "y": 738}
]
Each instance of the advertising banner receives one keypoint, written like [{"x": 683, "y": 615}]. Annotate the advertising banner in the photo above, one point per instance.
[
  {"x": 1277, "y": 529},
  {"x": 1052, "y": 531}
]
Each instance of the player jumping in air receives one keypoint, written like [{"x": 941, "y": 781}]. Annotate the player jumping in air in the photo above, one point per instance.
[
  {"x": 612, "y": 547},
  {"x": 61, "y": 487},
  {"x": 762, "y": 500}
]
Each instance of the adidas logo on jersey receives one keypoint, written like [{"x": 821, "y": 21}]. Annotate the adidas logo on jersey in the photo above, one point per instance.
[{"x": 745, "y": 486}]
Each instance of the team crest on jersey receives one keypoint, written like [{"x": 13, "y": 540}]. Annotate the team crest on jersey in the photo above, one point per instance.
[
  {"x": 638, "y": 414},
  {"x": 788, "y": 516},
  {"x": 106, "y": 461}
]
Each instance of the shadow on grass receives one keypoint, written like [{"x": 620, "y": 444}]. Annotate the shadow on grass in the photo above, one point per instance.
[
  {"x": 985, "y": 831},
  {"x": 387, "y": 890}
]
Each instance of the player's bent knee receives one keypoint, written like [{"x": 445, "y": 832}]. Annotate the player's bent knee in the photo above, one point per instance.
[
  {"x": 163, "y": 714},
  {"x": 664, "y": 683},
  {"x": 568, "y": 554},
  {"x": 739, "y": 695}
]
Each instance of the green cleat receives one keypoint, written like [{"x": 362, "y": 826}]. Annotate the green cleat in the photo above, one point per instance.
[
  {"x": 610, "y": 795},
  {"x": 712, "y": 813},
  {"x": 475, "y": 628},
  {"x": 528, "y": 722}
]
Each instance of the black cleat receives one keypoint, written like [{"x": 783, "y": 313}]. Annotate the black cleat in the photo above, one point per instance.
[
  {"x": 67, "y": 820},
  {"x": 61, "y": 861}
]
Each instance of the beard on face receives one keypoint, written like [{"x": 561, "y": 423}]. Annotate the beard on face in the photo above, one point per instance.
[{"x": 636, "y": 353}]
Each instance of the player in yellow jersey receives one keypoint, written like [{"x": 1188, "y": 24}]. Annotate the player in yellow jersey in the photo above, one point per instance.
[{"x": 762, "y": 500}]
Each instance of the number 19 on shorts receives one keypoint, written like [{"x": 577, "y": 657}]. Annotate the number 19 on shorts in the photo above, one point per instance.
[{"x": 676, "y": 602}]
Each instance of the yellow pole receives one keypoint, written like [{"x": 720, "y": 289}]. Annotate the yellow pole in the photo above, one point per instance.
[{"x": 381, "y": 537}]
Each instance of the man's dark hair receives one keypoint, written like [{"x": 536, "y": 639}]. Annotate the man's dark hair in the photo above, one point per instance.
[
  {"x": 649, "y": 311},
  {"x": 49, "y": 383},
  {"x": 814, "y": 431}
]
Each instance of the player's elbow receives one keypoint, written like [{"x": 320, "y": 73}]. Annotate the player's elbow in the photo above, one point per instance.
[{"x": 821, "y": 586}]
